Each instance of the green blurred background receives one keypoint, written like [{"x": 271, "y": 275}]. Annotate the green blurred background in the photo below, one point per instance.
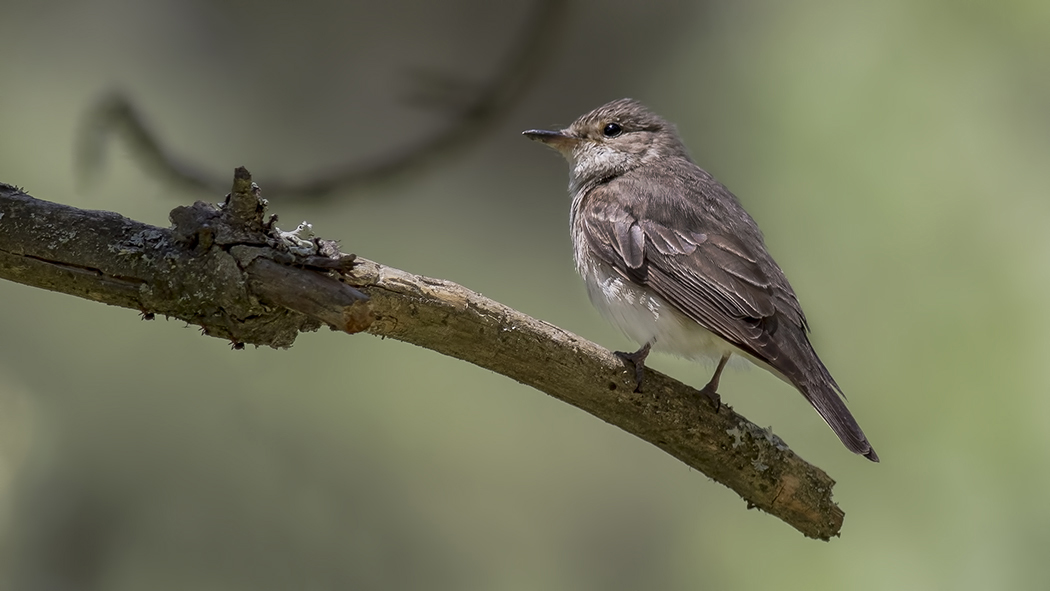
[{"x": 896, "y": 154}]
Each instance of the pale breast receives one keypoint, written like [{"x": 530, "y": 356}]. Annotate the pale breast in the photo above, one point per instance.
[{"x": 641, "y": 314}]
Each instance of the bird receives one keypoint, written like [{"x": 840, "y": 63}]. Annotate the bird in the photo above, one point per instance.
[{"x": 670, "y": 257}]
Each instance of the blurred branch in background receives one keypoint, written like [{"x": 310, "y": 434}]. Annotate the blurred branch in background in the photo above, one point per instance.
[
  {"x": 472, "y": 108},
  {"x": 233, "y": 273}
]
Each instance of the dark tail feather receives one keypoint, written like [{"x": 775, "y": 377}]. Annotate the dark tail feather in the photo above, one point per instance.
[
  {"x": 806, "y": 371},
  {"x": 824, "y": 395},
  {"x": 792, "y": 357}
]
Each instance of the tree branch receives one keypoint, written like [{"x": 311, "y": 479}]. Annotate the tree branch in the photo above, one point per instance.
[
  {"x": 240, "y": 278},
  {"x": 473, "y": 111}
]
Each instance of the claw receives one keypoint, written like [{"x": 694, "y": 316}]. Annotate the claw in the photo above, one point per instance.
[
  {"x": 711, "y": 389},
  {"x": 638, "y": 360}
]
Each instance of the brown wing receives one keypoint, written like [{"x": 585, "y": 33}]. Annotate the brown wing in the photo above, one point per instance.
[
  {"x": 694, "y": 263},
  {"x": 686, "y": 237}
]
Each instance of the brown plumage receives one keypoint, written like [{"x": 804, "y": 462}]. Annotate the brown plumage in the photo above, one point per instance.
[{"x": 671, "y": 257}]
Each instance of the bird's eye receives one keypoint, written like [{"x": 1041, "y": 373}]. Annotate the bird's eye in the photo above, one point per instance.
[{"x": 612, "y": 130}]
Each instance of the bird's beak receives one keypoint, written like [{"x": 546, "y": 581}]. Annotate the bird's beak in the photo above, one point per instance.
[{"x": 561, "y": 141}]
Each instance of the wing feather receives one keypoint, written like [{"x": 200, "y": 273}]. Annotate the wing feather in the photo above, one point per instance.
[
  {"x": 712, "y": 277},
  {"x": 686, "y": 237}
]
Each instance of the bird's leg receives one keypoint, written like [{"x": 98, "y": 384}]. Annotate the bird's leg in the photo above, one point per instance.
[
  {"x": 638, "y": 360},
  {"x": 711, "y": 389}
]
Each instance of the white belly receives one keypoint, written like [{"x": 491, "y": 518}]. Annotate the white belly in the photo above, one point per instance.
[{"x": 647, "y": 318}]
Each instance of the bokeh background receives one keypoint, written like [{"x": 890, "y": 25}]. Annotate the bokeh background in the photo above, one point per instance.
[{"x": 896, "y": 154}]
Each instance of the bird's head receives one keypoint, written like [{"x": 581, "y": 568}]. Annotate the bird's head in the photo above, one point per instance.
[{"x": 612, "y": 140}]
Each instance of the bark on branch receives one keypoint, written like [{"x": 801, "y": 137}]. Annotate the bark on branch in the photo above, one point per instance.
[{"x": 238, "y": 277}]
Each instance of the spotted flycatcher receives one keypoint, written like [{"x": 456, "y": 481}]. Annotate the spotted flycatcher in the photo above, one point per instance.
[{"x": 671, "y": 258}]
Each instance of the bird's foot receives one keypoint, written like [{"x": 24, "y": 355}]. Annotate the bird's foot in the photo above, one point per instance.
[
  {"x": 711, "y": 389},
  {"x": 712, "y": 395},
  {"x": 638, "y": 360}
]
